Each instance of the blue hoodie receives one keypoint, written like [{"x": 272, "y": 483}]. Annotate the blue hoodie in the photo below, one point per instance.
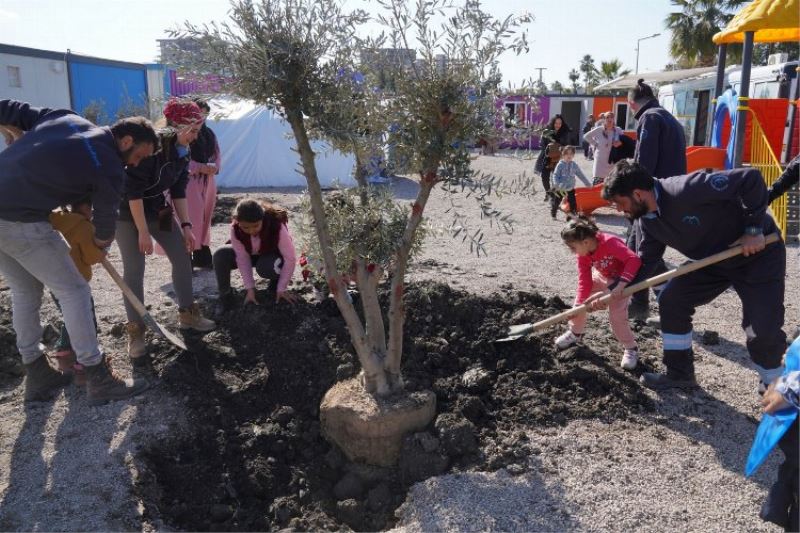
[
  {"x": 661, "y": 145},
  {"x": 61, "y": 159}
]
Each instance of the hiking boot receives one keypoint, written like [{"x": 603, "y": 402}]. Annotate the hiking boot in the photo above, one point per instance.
[
  {"x": 103, "y": 386},
  {"x": 42, "y": 381},
  {"x": 630, "y": 358},
  {"x": 567, "y": 339},
  {"x": 670, "y": 380},
  {"x": 136, "y": 343},
  {"x": 191, "y": 318}
]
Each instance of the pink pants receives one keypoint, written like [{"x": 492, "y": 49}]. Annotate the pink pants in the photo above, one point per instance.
[
  {"x": 617, "y": 315},
  {"x": 201, "y": 197}
]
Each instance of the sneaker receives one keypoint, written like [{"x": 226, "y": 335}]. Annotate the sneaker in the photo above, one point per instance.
[
  {"x": 567, "y": 339},
  {"x": 630, "y": 358}
]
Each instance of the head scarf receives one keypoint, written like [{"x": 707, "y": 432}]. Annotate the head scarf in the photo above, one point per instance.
[{"x": 182, "y": 112}]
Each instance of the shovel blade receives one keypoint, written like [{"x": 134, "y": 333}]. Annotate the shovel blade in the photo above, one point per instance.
[
  {"x": 516, "y": 332},
  {"x": 162, "y": 332}
]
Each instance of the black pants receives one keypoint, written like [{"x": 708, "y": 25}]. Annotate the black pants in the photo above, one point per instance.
[
  {"x": 634, "y": 241},
  {"x": 268, "y": 266},
  {"x": 546, "y": 179},
  {"x": 202, "y": 258},
  {"x": 781, "y": 505},
  {"x": 556, "y": 198},
  {"x": 759, "y": 282}
]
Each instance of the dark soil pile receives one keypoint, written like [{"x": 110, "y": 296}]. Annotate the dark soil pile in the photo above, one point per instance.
[{"x": 255, "y": 459}]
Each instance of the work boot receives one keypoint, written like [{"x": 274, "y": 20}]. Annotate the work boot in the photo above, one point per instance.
[
  {"x": 142, "y": 367},
  {"x": 42, "y": 381},
  {"x": 103, "y": 386},
  {"x": 191, "y": 318},
  {"x": 136, "y": 342},
  {"x": 671, "y": 380}
]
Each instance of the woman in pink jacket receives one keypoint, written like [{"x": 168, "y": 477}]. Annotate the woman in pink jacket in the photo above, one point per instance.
[
  {"x": 605, "y": 264},
  {"x": 201, "y": 191}
]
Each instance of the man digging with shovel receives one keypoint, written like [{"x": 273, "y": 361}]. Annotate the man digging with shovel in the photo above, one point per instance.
[
  {"x": 60, "y": 159},
  {"x": 700, "y": 214}
]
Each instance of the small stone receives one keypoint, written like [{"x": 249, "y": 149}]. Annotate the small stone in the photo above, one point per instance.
[
  {"x": 283, "y": 414},
  {"x": 349, "y": 486},
  {"x": 350, "y": 512},
  {"x": 477, "y": 379},
  {"x": 345, "y": 371},
  {"x": 457, "y": 434}
]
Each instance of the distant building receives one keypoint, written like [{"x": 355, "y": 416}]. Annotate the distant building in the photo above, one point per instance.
[
  {"x": 101, "y": 89},
  {"x": 173, "y": 49}
]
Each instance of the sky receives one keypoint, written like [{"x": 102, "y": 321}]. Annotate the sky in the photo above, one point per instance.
[{"x": 559, "y": 36}]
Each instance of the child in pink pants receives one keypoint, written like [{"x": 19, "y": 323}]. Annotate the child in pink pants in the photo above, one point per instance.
[{"x": 605, "y": 264}]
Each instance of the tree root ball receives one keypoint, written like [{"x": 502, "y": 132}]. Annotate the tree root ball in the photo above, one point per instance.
[{"x": 371, "y": 429}]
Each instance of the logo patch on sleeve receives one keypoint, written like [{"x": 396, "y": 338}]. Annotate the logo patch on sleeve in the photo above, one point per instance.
[
  {"x": 691, "y": 220},
  {"x": 719, "y": 182}
]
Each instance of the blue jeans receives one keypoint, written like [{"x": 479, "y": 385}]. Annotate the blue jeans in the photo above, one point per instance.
[{"x": 32, "y": 256}]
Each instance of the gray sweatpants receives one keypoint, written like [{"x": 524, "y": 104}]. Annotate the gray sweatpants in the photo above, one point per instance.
[
  {"x": 32, "y": 256},
  {"x": 133, "y": 263}
]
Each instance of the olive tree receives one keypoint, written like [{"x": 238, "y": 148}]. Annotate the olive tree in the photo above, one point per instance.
[{"x": 433, "y": 90}]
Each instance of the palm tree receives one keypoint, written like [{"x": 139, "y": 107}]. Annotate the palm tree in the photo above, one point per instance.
[
  {"x": 694, "y": 26},
  {"x": 589, "y": 70},
  {"x": 611, "y": 70},
  {"x": 574, "y": 76}
]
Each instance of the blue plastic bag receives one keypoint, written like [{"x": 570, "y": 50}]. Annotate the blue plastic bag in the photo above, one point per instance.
[{"x": 773, "y": 426}]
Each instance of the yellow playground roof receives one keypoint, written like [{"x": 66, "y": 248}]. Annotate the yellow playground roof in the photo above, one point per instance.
[{"x": 773, "y": 21}]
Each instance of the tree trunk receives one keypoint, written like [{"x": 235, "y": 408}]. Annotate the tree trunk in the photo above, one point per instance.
[
  {"x": 374, "y": 376},
  {"x": 368, "y": 287},
  {"x": 396, "y": 306}
]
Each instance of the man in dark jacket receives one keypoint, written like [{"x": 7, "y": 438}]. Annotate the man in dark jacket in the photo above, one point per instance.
[
  {"x": 700, "y": 214},
  {"x": 661, "y": 149},
  {"x": 787, "y": 180},
  {"x": 59, "y": 159}
]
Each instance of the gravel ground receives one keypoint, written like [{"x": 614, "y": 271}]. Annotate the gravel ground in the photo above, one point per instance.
[{"x": 67, "y": 466}]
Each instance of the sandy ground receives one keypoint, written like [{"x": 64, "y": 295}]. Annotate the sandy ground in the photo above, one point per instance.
[{"x": 67, "y": 466}]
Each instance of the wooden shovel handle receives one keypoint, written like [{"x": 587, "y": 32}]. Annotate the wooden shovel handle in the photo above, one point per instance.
[
  {"x": 134, "y": 301},
  {"x": 655, "y": 280}
]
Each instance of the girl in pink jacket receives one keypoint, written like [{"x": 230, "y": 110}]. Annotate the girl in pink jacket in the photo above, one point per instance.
[
  {"x": 605, "y": 265},
  {"x": 260, "y": 240}
]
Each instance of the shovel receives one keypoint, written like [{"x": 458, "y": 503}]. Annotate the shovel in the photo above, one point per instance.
[
  {"x": 148, "y": 320},
  {"x": 520, "y": 330}
]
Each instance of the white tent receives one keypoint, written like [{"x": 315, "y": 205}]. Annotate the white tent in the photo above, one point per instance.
[{"x": 257, "y": 149}]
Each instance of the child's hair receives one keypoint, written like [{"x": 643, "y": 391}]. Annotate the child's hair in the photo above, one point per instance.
[
  {"x": 578, "y": 228},
  {"x": 249, "y": 210},
  {"x": 567, "y": 149},
  {"x": 74, "y": 206}
]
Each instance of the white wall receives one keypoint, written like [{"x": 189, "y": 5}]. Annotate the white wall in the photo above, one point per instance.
[{"x": 44, "y": 81}]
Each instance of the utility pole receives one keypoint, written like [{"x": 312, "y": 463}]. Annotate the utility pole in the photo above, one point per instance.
[
  {"x": 638, "y": 41},
  {"x": 540, "y": 69}
]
